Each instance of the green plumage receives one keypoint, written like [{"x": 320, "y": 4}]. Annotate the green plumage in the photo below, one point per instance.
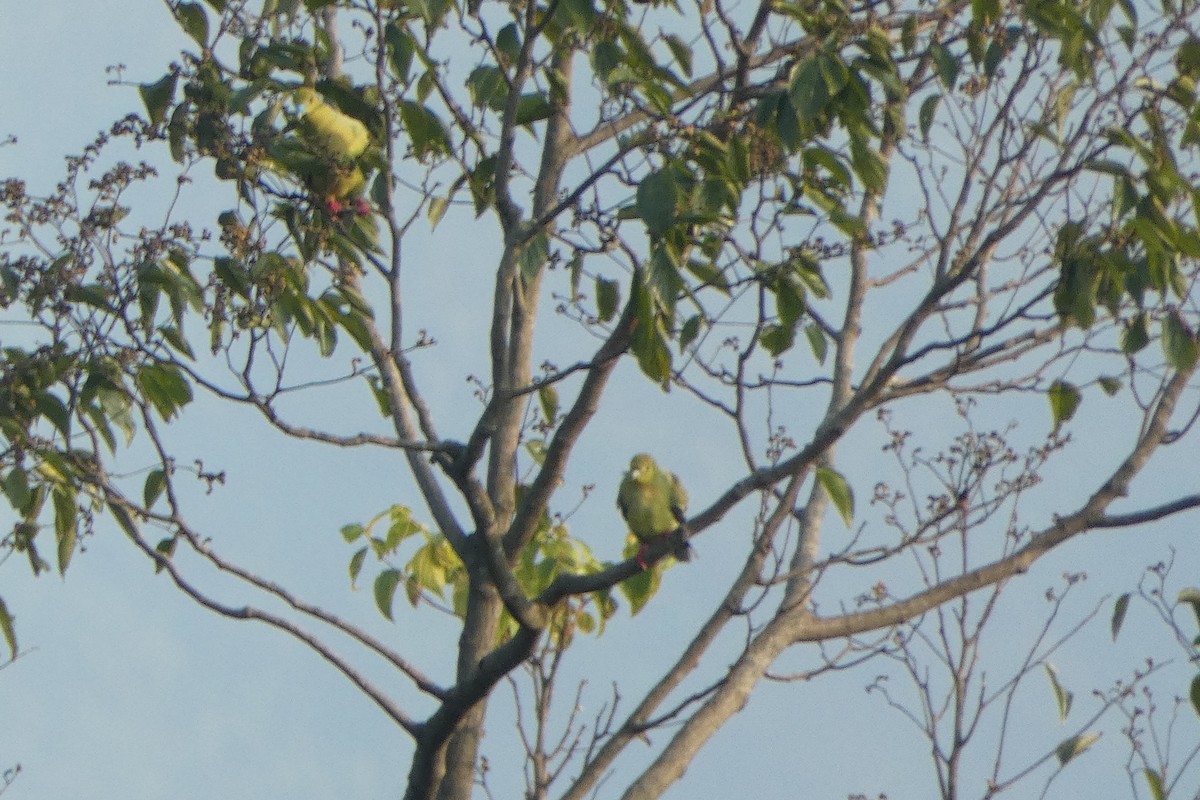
[
  {"x": 653, "y": 502},
  {"x": 329, "y": 132},
  {"x": 328, "y": 153}
]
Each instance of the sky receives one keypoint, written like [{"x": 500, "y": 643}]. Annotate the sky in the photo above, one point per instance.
[{"x": 126, "y": 689}]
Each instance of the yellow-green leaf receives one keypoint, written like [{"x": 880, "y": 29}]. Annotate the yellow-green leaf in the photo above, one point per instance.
[
  {"x": 385, "y": 590},
  {"x": 1064, "y": 401},
  {"x": 66, "y": 526},
  {"x": 7, "y": 628},
  {"x": 157, "y": 97},
  {"x": 1191, "y": 596},
  {"x": 607, "y": 297},
  {"x": 548, "y": 398},
  {"x": 1179, "y": 342},
  {"x": 641, "y": 587},
  {"x": 1061, "y": 696},
  {"x": 194, "y": 22},
  {"x": 656, "y": 202},
  {"x": 1155, "y": 782},
  {"x": 1072, "y": 747},
  {"x": 1118, "y": 616},
  {"x": 437, "y": 209},
  {"x": 356, "y": 564},
  {"x": 156, "y": 482},
  {"x": 839, "y": 492}
]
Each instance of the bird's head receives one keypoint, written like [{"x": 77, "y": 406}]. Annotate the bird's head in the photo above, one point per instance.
[
  {"x": 642, "y": 468},
  {"x": 306, "y": 96}
]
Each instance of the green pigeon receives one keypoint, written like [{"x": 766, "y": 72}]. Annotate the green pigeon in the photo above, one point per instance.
[
  {"x": 327, "y": 154},
  {"x": 653, "y": 502}
]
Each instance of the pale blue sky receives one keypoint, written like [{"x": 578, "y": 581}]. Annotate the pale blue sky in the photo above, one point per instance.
[{"x": 128, "y": 690}]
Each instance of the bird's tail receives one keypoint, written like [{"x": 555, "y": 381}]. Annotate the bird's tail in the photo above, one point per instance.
[{"x": 683, "y": 551}]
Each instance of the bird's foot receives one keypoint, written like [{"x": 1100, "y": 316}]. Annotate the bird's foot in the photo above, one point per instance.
[
  {"x": 641, "y": 556},
  {"x": 336, "y": 208}
]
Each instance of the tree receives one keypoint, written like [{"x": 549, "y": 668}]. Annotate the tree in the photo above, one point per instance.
[{"x": 794, "y": 218}]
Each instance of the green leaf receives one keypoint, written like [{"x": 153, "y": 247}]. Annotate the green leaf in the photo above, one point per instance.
[
  {"x": 1061, "y": 696},
  {"x": 1064, "y": 401},
  {"x": 808, "y": 91},
  {"x": 1072, "y": 747},
  {"x": 352, "y": 532},
  {"x": 868, "y": 165},
  {"x": 66, "y": 526},
  {"x": 1179, "y": 343},
  {"x": 817, "y": 342},
  {"x": 429, "y": 568},
  {"x": 156, "y": 482},
  {"x": 680, "y": 52},
  {"x": 8, "y": 629},
  {"x": 1109, "y": 384},
  {"x": 641, "y": 587},
  {"x": 385, "y": 590},
  {"x": 165, "y": 387},
  {"x": 1194, "y": 694},
  {"x": 778, "y": 339},
  {"x": 689, "y": 332},
  {"x": 606, "y": 57},
  {"x": 488, "y": 87},
  {"x": 709, "y": 273},
  {"x": 166, "y": 549},
  {"x": 403, "y": 526},
  {"x": 661, "y": 276},
  {"x": 656, "y": 202},
  {"x": 1155, "y": 782},
  {"x": 400, "y": 49},
  {"x": 1191, "y": 596},
  {"x": 1135, "y": 335},
  {"x": 356, "y": 564},
  {"x": 1118, "y": 616},
  {"x": 927, "y": 113},
  {"x": 431, "y": 11},
  {"x": 839, "y": 492},
  {"x": 983, "y": 12},
  {"x": 608, "y": 294},
  {"x": 158, "y": 96},
  {"x": 649, "y": 344},
  {"x": 425, "y": 130},
  {"x": 123, "y": 519},
  {"x": 16, "y": 487},
  {"x": 947, "y": 65},
  {"x": 53, "y": 409},
  {"x": 579, "y": 13},
  {"x": 194, "y": 21},
  {"x": 537, "y": 451},
  {"x": 908, "y": 33},
  {"x": 1064, "y": 104},
  {"x": 991, "y": 60},
  {"x": 437, "y": 209},
  {"x": 533, "y": 107},
  {"x": 548, "y": 398},
  {"x": 534, "y": 256}
]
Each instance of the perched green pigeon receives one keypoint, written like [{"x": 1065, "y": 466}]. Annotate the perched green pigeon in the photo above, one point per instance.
[
  {"x": 653, "y": 502},
  {"x": 326, "y": 155}
]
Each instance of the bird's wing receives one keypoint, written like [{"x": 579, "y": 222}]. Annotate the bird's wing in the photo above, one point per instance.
[
  {"x": 333, "y": 131},
  {"x": 679, "y": 498},
  {"x": 623, "y": 498}
]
